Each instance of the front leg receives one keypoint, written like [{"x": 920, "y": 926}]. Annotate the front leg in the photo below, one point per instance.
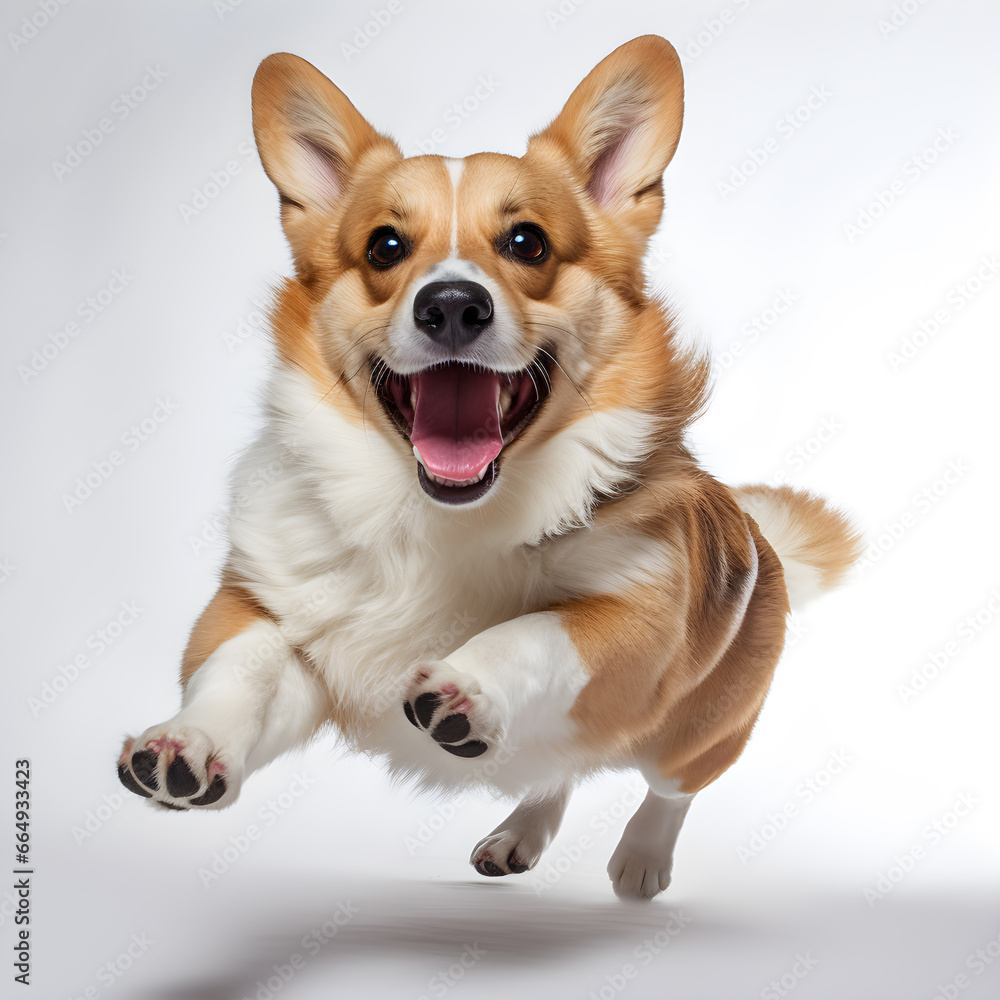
[
  {"x": 599, "y": 675},
  {"x": 514, "y": 684},
  {"x": 247, "y": 698},
  {"x": 440, "y": 701}
]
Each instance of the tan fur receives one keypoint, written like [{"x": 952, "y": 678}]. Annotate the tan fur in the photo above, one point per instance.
[
  {"x": 231, "y": 611},
  {"x": 706, "y": 731},
  {"x": 294, "y": 336},
  {"x": 676, "y": 666},
  {"x": 548, "y": 185},
  {"x": 303, "y": 124},
  {"x": 648, "y": 654},
  {"x": 638, "y": 81},
  {"x": 821, "y": 536}
]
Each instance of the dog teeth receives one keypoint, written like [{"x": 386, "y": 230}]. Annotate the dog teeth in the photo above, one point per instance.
[
  {"x": 505, "y": 400},
  {"x": 449, "y": 482},
  {"x": 457, "y": 482},
  {"x": 413, "y": 400}
]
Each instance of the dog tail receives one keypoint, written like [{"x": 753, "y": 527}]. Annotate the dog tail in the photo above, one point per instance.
[{"x": 815, "y": 542}]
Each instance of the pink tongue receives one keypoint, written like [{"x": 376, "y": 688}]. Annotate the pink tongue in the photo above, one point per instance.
[{"x": 455, "y": 426}]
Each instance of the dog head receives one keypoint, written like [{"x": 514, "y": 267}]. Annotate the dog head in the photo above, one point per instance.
[{"x": 472, "y": 309}]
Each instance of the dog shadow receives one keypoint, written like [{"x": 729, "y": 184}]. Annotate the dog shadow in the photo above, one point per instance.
[
  {"x": 430, "y": 921},
  {"x": 424, "y": 926}
]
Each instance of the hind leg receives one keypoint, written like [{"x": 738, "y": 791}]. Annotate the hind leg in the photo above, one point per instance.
[
  {"x": 640, "y": 867},
  {"x": 518, "y": 842}
]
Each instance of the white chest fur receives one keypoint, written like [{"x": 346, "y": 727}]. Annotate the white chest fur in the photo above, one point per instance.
[{"x": 367, "y": 575}]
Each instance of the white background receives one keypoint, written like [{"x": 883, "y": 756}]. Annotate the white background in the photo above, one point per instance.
[{"x": 815, "y": 399}]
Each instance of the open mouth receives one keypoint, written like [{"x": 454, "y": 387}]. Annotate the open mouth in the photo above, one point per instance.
[{"x": 459, "y": 418}]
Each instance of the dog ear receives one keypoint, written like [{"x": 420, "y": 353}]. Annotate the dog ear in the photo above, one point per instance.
[
  {"x": 620, "y": 127},
  {"x": 310, "y": 138}
]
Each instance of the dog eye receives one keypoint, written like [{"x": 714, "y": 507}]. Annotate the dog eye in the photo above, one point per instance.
[
  {"x": 386, "y": 247},
  {"x": 527, "y": 242}
]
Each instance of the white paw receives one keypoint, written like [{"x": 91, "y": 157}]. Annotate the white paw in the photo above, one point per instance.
[
  {"x": 508, "y": 852},
  {"x": 451, "y": 708},
  {"x": 638, "y": 875},
  {"x": 180, "y": 768}
]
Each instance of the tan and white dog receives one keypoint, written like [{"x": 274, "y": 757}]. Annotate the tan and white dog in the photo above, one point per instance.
[{"x": 470, "y": 537}]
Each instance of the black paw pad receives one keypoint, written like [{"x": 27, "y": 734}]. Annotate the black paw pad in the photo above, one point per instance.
[
  {"x": 144, "y": 768},
  {"x": 448, "y": 731},
  {"x": 180, "y": 781},
  {"x": 125, "y": 777},
  {"x": 215, "y": 792},
  {"x": 474, "y": 748},
  {"x": 486, "y": 867},
  {"x": 452, "y": 729},
  {"x": 515, "y": 865},
  {"x": 425, "y": 706}
]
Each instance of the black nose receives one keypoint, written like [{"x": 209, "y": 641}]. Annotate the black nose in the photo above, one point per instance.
[{"x": 453, "y": 312}]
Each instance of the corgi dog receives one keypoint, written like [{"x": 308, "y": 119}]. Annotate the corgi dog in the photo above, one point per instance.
[{"x": 470, "y": 538}]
